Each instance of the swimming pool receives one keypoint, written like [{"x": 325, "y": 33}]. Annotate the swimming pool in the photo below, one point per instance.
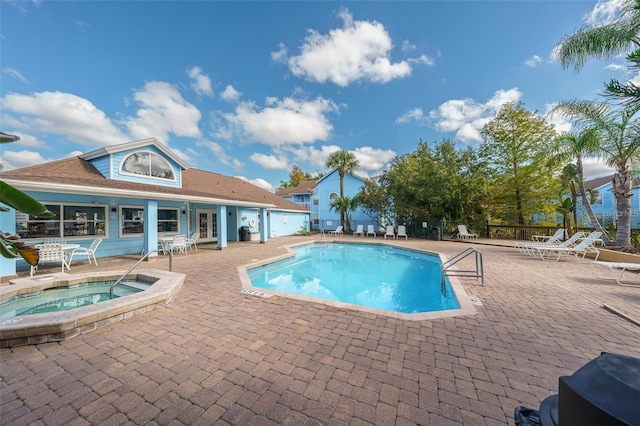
[{"x": 377, "y": 277}]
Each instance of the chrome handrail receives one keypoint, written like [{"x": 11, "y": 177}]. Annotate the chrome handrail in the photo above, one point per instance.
[
  {"x": 477, "y": 273},
  {"x": 137, "y": 263}
]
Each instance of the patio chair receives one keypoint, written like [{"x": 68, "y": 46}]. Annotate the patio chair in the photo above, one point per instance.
[
  {"x": 530, "y": 249},
  {"x": 179, "y": 243},
  {"x": 402, "y": 232},
  {"x": 89, "y": 252},
  {"x": 587, "y": 245},
  {"x": 390, "y": 233},
  {"x": 359, "y": 231},
  {"x": 371, "y": 230},
  {"x": 49, "y": 253},
  {"x": 540, "y": 240},
  {"x": 622, "y": 266},
  {"x": 463, "y": 234},
  {"x": 337, "y": 231},
  {"x": 193, "y": 239}
]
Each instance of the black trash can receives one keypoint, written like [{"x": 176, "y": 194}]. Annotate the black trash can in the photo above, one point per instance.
[
  {"x": 435, "y": 234},
  {"x": 245, "y": 233}
]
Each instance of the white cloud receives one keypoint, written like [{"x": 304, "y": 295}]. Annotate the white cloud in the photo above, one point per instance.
[
  {"x": 286, "y": 121},
  {"x": 635, "y": 80},
  {"x": 230, "y": 94},
  {"x": 163, "y": 110},
  {"x": 26, "y": 140},
  {"x": 413, "y": 115},
  {"x": 422, "y": 59},
  {"x": 533, "y": 61},
  {"x": 15, "y": 73},
  {"x": 560, "y": 123},
  {"x": 17, "y": 159},
  {"x": 407, "y": 46},
  {"x": 311, "y": 155},
  {"x": 616, "y": 67},
  {"x": 280, "y": 55},
  {"x": 373, "y": 159},
  {"x": 358, "y": 51},
  {"x": 220, "y": 154},
  {"x": 595, "y": 168},
  {"x": 62, "y": 114},
  {"x": 200, "y": 82},
  {"x": 259, "y": 182},
  {"x": 269, "y": 162},
  {"x": 466, "y": 117},
  {"x": 603, "y": 12}
]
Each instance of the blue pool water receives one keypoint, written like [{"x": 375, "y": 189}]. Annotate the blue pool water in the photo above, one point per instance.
[
  {"x": 372, "y": 275},
  {"x": 66, "y": 298}
]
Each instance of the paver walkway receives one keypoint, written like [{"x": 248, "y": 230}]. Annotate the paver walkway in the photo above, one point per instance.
[{"x": 217, "y": 356}]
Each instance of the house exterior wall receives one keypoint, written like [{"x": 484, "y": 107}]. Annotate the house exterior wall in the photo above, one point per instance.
[
  {"x": 606, "y": 210},
  {"x": 116, "y": 162},
  {"x": 8, "y": 225},
  {"x": 330, "y": 184}
]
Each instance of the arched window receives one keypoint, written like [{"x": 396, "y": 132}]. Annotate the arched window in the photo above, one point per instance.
[
  {"x": 147, "y": 163},
  {"x": 333, "y": 196}
]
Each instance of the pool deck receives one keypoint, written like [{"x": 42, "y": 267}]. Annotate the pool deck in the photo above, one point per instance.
[{"x": 218, "y": 356}]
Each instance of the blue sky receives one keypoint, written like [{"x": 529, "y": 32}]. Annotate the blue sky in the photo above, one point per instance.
[{"x": 249, "y": 89}]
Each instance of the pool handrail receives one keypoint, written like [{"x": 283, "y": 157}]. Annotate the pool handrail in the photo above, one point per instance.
[
  {"x": 477, "y": 273},
  {"x": 139, "y": 262}
]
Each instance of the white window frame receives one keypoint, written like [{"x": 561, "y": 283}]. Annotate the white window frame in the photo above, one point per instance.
[{"x": 147, "y": 176}]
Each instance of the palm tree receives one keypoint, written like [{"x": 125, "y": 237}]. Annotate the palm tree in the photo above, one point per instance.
[
  {"x": 619, "y": 131},
  {"x": 344, "y": 205},
  {"x": 345, "y": 162},
  {"x": 606, "y": 41},
  {"x": 569, "y": 146}
]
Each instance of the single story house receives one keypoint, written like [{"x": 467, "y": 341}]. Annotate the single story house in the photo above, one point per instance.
[
  {"x": 317, "y": 196},
  {"x": 134, "y": 193}
]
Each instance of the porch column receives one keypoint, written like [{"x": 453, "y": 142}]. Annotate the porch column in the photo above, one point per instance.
[
  {"x": 264, "y": 229},
  {"x": 150, "y": 235},
  {"x": 221, "y": 225},
  {"x": 8, "y": 266}
]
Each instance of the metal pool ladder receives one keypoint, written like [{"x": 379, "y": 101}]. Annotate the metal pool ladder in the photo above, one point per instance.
[
  {"x": 137, "y": 263},
  {"x": 477, "y": 273}
]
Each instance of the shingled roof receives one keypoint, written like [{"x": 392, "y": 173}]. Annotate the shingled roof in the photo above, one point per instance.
[
  {"x": 82, "y": 177},
  {"x": 304, "y": 187}
]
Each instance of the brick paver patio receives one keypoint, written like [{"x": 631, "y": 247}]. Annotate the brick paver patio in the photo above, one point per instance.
[{"x": 217, "y": 356}]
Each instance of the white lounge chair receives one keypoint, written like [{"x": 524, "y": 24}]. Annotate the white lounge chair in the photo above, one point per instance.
[
  {"x": 50, "y": 253},
  {"x": 402, "y": 232},
  {"x": 390, "y": 232},
  {"x": 531, "y": 249},
  {"x": 585, "y": 246},
  {"x": 463, "y": 234},
  {"x": 559, "y": 234},
  {"x": 359, "y": 231},
  {"x": 89, "y": 252},
  {"x": 337, "y": 231},
  {"x": 552, "y": 240},
  {"x": 371, "y": 230},
  {"x": 622, "y": 266}
]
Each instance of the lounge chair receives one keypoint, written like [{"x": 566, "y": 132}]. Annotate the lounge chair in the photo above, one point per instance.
[
  {"x": 89, "y": 252},
  {"x": 371, "y": 230},
  {"x": 390, "y": 232},
  {"x": 402, "y": 232},
  {"x": 359, "y": 231},
  {"x": 463, "y": 234},
  {"x": 531, "y": 249},
  {"x": 337, "y": 231},
  {"x": 538, "y": 240},
  {"x": 585, "y": 246},
  {"x": 622, "y": 266}
]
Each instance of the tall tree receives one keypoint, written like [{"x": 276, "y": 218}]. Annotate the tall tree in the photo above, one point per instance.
[
  {"x": 376, "y": 202},
  {"x": 619, "y": 130},
  {"x": 516, "y": 145},
  {"x": 574, "y": 146},
  {"x": 607, "y": 40},
  {"x": 437, "y": 182},
  {"x": 344, "y": 162}
]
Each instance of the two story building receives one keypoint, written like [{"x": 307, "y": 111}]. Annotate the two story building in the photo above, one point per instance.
[
  {"x": 317, "y": 195},
  {"x": 603, "y": 202},
  {"x": 132, "y": 194}
]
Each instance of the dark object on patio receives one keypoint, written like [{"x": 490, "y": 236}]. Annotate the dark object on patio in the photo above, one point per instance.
[
  {"x": 524, "y": 416},
  {"x": 245, "y": 233},
  {"x": 605, "y": 391},
  {"x": 435, "y": 234}
]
